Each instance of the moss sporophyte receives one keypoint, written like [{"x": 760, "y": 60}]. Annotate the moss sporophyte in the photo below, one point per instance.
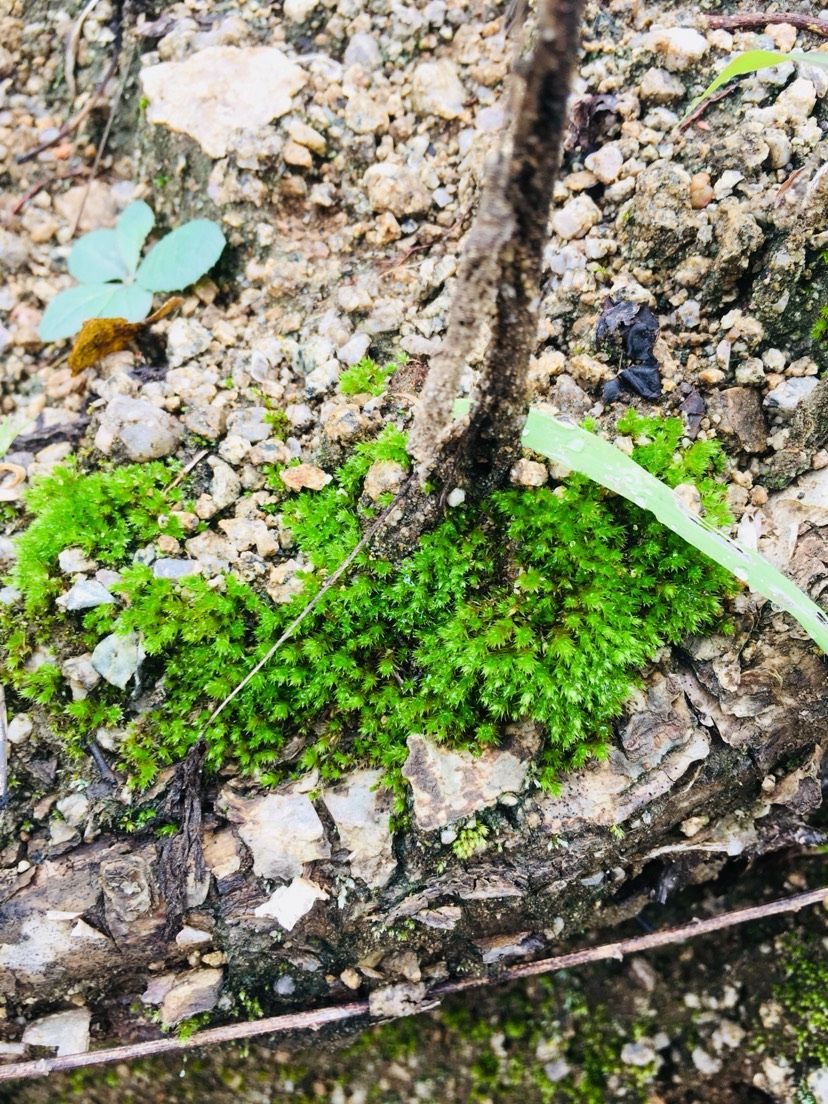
[{"x": 539, "y": 604}]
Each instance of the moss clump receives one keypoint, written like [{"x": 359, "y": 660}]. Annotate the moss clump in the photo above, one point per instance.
[
  {"x": 802, "y": 994},
  {"x": 540, "y": 604},
  {"x": 367, "y": 377}
]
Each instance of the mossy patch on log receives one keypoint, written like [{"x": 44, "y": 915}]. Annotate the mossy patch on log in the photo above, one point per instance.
[{"x": 541, "y": 604}]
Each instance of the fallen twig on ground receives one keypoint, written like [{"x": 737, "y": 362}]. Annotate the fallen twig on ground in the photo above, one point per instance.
[
  {"x": 694, "y": 116},
  {"x": 72, "y": 43},
  {"x": 746, "y": 20},
  {"x": 4, "y": 751},
  {"x": 321, "y": 1017}
]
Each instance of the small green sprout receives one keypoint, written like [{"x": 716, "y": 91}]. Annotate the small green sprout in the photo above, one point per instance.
[
  {"x": 111, "y": 281},
  {"x": 753, "y": 61}
]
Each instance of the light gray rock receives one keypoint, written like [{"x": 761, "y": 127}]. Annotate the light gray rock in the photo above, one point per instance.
[
  {"x": 641, "y": 1053},
  {"x": 354, "y": 349},
  {"x": 186, "y": 338},
  {"x": 73, "y": 561},
  {"x": 81, "y": 675},
  {"x": 167, "y": 568},
  {"x": 250, "y": 423},
  {"x": 788, "y": 395},
  {"x": 576, "y": 218},
  {"x": 86, "y": 594},
  {"x": 449, "y": 785},
  {"x": 74, "y": 809},
  {"x": 361, "y": 809},
  {"x": 362, "y": 49},
  {"x": 67, "y": 1032},
  {"x": 438, "y": 89},
  {"x": 817, "y": 1082},
  {"x": 145, "y": 431},
  {"x": 118, "y": 657},
  {"x": 19, "y": 729},
  {"x": 282, "y": 831},
  {"x": 382, "y": 477}
]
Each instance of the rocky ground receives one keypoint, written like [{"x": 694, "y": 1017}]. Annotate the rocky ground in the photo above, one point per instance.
[{"x": 341, "y": 147}]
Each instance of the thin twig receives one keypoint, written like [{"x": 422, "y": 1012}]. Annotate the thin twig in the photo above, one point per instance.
[
  {"x": 188, "y": 467},
  {"x": 694, "y": 116},
  {"x": 39, "y": 185},
  {"x": 72, "y": 42},
  {"x": 96, "y": 164},
  {"x": 320, "y": 1017},
  {"x": 761, "y": 19},
  {"x": 98, "y": 91},
  {"x": 297, "y": 621},
  {"x": 4, "y": 750}
]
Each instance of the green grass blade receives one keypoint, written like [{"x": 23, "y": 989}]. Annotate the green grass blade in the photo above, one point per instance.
[
  {"x": 596, "y": 458},
  {"x": 752, "y": 61}
]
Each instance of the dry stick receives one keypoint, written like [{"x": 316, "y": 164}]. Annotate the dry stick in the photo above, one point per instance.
[
  {"x": 762, "y": 19},
  {"x": 694, "y": 116},
  {"x": 75, "y": 121},
  {"x": 188, "y": 467},
  {"x": 320, "y": 1017},
  {"x": 297, "y": 621},
  {"x": 4, "y": 750},
  {"x": 72, "y": 42},
  {"x": 96, "y": 164}
]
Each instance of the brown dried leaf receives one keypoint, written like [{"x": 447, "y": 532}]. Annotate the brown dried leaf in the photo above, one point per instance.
[{"x": 99, "y": 337}]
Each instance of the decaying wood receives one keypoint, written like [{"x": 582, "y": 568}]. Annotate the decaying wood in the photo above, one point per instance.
[
  {"x": 500, "y": 273},
  {"x": 89, "y": 921},
  {"x": 319, "y": 1018}
]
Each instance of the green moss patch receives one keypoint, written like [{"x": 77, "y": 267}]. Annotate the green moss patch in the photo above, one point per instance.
[{"x": 542, "y": 604}]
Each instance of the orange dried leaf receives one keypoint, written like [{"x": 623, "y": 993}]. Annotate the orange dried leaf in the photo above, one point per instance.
[{"x": 99, "y": 337}]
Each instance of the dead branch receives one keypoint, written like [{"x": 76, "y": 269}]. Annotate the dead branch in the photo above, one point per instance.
[
  {"x": 500, "y": 272},
  {"x": 745, "y": 20},
  {"x": 321, "y": 1017}
]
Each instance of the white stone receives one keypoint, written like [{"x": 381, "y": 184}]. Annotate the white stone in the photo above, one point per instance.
[
  {"x": 85, "y": 594},
  {"x": 118, "y": 657},
  {"x": 74, "y": 809},
  {"x": 186, "y": 338},
  {"x": 282, "y": 831},
  {"x": 19, "y": 728},
  {"x": 788, "y": 395},
  {"x": 354, "y": 349},
  {"x": 606, "y": 162},
  {"x": 817, "y": 1082},
  {"x": 438, "y": 89},
  {"x": 659, "y": 86},
  {"x": 67, "y": 1032},
  {"x": 362, "y": 49},
  {"x": 576, "y": 218},
  {"x": 291, "y": 902},
  {"x": 680, "y": 47},
  {"x": 218, "y": 91},
  {"x": 145, "y": 431},
  {"x": 382, "y": 477},
  {"x": 360, "y": 808},
  {"x": 529, "y": 473},
  {"x": 641, "y": 1053},
  {"x": 74, "y": 560},
  {"x": 297, "y": 11},
  {"x": 705, "y": 1063}
]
